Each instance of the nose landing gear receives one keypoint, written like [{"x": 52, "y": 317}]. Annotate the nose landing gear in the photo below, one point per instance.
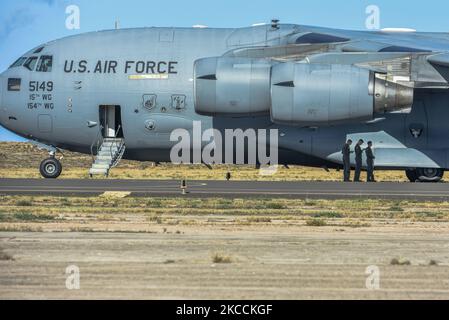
[{"x": 50, "y": 168}]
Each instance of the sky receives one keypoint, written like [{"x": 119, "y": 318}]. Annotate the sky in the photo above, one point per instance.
[{"x": 25, "y": 24}]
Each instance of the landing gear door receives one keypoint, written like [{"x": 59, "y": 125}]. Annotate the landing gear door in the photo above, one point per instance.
[{"x": 416, "y": 127}]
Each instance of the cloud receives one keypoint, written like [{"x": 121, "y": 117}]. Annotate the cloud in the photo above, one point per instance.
[
  {"x": 23, "y": 17},
  {"x": 17, "y": 19},
  {"x": 48, "y": 2}
]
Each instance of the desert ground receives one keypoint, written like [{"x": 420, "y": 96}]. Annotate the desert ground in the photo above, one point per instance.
[
  {"x": 270, "y": 264},
  {"x": 164, "y": 248},
  {"x": 216, "y": 248}
]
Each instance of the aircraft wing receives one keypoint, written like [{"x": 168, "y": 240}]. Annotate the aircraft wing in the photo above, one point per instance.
[{"x": 419, "y": 60}]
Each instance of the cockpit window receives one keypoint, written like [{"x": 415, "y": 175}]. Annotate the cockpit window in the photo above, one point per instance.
[
  {"x": 19, "y": 62},
  {"x": 45, "y": 64},
  {"x": 30, "y": 63}
]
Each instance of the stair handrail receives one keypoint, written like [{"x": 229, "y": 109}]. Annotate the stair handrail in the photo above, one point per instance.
[
  {"x": 114, "y": 144},
  {"x": 119, "y": 157},
  {"x": 98, "y": 141}
]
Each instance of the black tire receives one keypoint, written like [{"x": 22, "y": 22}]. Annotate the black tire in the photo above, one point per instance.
[
  {"x": 429, "y": 175},
  {"x": 50, "y": 168},
  {"x": 411, "y": 175}
]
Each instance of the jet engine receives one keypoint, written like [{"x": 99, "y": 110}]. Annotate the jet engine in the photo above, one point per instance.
[
  {"x": 232, "y": 86},
  {"x": 294, "y": 93},
  {"x": 320, "y": 94}
]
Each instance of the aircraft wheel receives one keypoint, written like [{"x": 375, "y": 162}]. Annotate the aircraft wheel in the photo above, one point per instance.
[
  {"x": 411, "y": 175},
  {"x": 51, "y": 168},
  {"x": 429, "y": 174}
]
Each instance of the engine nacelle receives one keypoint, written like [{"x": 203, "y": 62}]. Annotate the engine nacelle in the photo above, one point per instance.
[
  {"x": 232, "y": 86},
  {"x": 323, "y": 94},
  {"x": 299, "y": 94}
]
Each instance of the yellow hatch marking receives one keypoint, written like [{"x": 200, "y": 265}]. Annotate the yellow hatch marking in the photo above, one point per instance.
[{"x": 161, "y": 76}]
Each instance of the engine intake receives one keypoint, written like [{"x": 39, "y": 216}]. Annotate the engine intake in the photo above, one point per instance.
[{"x": 232, "y": 86}]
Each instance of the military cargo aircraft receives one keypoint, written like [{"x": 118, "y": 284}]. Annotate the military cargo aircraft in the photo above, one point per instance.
[{"x": 120, "y": 93}]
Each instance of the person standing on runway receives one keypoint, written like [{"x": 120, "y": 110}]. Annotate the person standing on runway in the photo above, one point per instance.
[
  {"x": 358, "y": 160},
  {"x": 346, "y": 152},
  {"x": 370, "y": 162}
]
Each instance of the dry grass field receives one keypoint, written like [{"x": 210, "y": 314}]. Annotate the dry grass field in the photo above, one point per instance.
[
  {"x": 21, "y": 160},
  {"x": 115, "y": 212}
]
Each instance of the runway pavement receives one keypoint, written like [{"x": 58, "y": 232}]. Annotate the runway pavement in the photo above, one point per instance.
[{"x": 171, "y": 188}]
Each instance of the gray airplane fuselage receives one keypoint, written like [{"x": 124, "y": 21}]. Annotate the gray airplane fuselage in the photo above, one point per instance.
[{"x": 149, "y": 73}]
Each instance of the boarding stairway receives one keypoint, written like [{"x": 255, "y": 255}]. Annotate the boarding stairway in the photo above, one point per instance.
[{"x": 109, "y": 153}]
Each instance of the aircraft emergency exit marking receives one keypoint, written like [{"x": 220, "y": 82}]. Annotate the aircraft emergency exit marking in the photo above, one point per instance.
[{"x": 127, "y": 67}]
